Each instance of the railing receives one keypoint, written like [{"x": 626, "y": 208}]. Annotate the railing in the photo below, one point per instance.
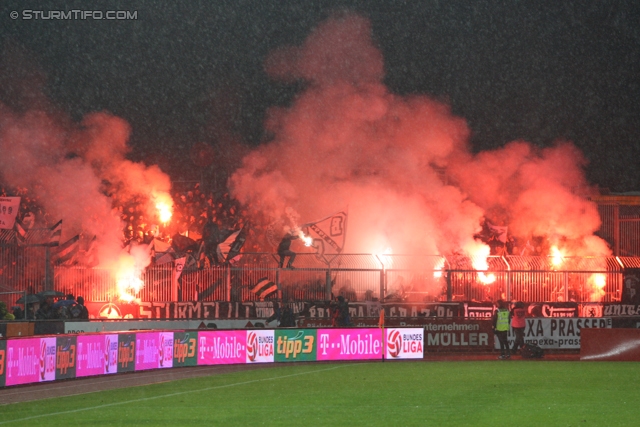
[
  {"x": 371, "y": 278},
  {"x": 358, "y": 277}
]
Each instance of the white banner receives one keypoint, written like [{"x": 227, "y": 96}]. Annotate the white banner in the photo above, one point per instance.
[
  {"x": 404, "y": 343},
  {"x": 328, "y": 234},
  {"x": 9, "y": 207},
  {"x": 557, "y": 333}
]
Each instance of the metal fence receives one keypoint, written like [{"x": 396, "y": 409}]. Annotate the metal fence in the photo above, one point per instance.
[{"x": 358, "y": 277}]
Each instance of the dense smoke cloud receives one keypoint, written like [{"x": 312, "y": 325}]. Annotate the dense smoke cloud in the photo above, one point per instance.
[
  {"x": 77, "y": 171},
  {"x": 402, "y": 165}
]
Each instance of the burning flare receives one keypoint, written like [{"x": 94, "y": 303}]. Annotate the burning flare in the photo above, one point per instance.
[
  {"x": 306, "y": 239},
  {"x": 556, "y": 256},
  {"x": 128, "y": 285},
  {"x": 597, "y": 282},
  {"x": 479, "y": 252},
  {"x": 164, "y": 205},
  {"x": 439, "y": 267}
]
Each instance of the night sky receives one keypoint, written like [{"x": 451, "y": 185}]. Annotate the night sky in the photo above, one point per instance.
[{"x": 186, "y": 72}]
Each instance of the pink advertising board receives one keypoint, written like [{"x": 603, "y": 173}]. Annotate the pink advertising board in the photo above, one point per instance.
[
  {"x": 96, "y": 355},
  {"x": 349, "y": 344},
  {"x": 148, "y": 350},
  {"x": 222, "y": 347},
  {"x": 26, "y": 361}
]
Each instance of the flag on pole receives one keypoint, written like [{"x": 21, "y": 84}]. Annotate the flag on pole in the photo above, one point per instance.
[
  {"x": 21, "y": 231},
  {"x": 230, "y": 247},
  {"x": 56, "y": 233},
  {"x": 381, "y": 320},
  {"x": 264, "y": 288},
  {"x": 179, "y": 263},
  {"x": 67, "y": 251},
  {"x": 328, "y": 233},
  {"x": 500, "y": 233}
]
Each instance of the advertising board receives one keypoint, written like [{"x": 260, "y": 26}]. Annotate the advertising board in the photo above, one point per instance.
[
  {"x": 349, "y": 344},
  {"x": 404, "y": 343},
  {"x": 222, "y": 347}
]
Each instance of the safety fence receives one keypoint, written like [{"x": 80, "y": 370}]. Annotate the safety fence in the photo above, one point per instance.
[{"x": 357, "y": 277}]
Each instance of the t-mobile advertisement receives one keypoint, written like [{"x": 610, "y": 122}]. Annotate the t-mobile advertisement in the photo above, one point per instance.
[
  {"x": 405, "y": 343},
  {"x": 23, "y": 361},
  {"x": 154, "y": 350},
  {"x": 97, "y": 355},
  {"x": 349, "y": 344},
  {"x": 222, "y": 347}
]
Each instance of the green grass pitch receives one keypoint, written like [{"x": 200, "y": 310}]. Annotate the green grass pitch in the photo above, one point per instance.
[{"x": 479, "y": 393}]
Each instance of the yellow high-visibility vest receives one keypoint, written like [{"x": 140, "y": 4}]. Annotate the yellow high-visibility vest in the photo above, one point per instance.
[{"x": 503, "y": 320}]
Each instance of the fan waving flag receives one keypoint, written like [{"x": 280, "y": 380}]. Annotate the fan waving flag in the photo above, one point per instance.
[
  {"x": 230, "y": 247},
  {"x": 264, "y": 288},
  {"x": 328, "y": 233}
]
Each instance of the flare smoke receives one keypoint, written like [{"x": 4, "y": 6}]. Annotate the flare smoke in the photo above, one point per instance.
[{"x": 402, "y": 165}]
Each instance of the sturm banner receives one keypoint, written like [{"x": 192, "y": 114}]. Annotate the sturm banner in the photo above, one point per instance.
[{"x": 319, "y": 313}]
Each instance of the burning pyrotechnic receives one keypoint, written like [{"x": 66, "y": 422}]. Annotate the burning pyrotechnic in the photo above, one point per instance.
[
  {"x": 128, "y": 285},
  {"x": 305, "y": 239},
  {"x": 403, "y": 165},
  {"x": 479, "y": 252},
  {"x": 439, "y": 269},
  {"x": 597, "y": 282},
  {"x": 556, "y": 256}
]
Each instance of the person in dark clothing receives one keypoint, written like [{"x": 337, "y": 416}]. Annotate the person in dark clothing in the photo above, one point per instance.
[
  {"x": 61, "y": 309},
  {"x": 501, "y": 320},
  {"x": 284, "y": 249},
  {"x": 341, "y": 315},
  {"x": 517, "y": 324},
  {"x": 45, "y": 311},
  {"x": 83, "y": 313}
]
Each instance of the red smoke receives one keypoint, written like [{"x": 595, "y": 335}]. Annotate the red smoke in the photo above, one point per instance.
[
  {"x": 402, "y": 165},
  {"x": 77, "y": 172}
]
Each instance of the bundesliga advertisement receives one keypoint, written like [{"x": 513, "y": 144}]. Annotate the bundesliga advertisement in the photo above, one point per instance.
[
  {"x": 260, "y": 346},
  {"x": 407, "y": 343}
]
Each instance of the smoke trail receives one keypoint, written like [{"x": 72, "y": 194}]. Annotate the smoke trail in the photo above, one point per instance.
[{"x": 402, "y": 164}]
